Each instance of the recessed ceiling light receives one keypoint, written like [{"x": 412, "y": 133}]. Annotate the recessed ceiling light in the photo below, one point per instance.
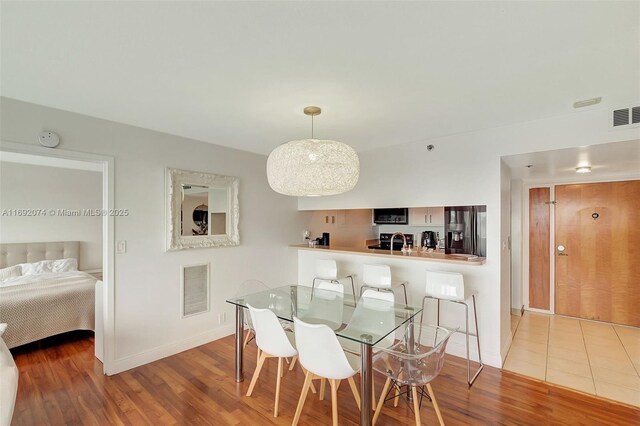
[
  {"x": 583, "y": 169},
  {"x": 587, "y": 102}
]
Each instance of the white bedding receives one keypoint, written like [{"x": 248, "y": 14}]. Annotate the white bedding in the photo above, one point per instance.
[{"x": 42, "y": 305}]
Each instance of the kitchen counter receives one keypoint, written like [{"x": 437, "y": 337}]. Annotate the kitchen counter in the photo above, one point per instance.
[{"x": 435, "y": 256}]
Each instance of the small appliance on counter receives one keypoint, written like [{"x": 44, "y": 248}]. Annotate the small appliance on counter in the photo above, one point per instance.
[
  {"x": 325, "y": 239},
  {"x": 429, "y": 239},
  {"x": 385, "y": 242}
]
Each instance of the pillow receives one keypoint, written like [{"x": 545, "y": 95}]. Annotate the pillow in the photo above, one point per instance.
[
  {"x": 34, "y": 268},
  {"x": 3, "y": 327},
  {"x": 10, "y": 272},
  {"x": 65, "y": 265}
]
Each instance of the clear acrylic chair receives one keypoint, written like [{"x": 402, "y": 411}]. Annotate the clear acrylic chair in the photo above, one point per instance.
[
  {"x": 412, "y": 362},
  {"x": 250, "y": 287},
  {"x": 322, "y": 357},
  {"x": 273, "y": 342}
]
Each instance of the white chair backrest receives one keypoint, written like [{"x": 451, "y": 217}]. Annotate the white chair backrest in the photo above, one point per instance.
[
  {"x": 270, "y": 336},
  {"x": 377, "y": 276},
  {"x": 445, "y": 285},
  {"x": 8, "y": 384},
  {"x": 320, "y": 352},
  {"x": 326, "y": 285},
  {"x": 326, "y": 269}
]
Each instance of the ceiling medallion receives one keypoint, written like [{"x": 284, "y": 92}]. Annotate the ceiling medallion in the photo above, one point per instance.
[{"x": 313, "y": 167}]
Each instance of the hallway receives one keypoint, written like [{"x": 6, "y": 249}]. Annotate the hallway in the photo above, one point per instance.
[{"x": 592, "y": 357}]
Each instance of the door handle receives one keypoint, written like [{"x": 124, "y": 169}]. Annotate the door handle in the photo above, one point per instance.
[{"x": 563, "y": 254}]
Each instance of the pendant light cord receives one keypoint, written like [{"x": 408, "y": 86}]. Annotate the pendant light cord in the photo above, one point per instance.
[{"x": 312, "y": 127}]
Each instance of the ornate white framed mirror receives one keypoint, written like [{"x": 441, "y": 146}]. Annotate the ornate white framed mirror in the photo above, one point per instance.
[{"x": 202, "y": 210}]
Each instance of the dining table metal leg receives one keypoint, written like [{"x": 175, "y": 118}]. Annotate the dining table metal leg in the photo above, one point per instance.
[
  {"x": 239, "y": 345},
  {"x": 366, "y": 372}
]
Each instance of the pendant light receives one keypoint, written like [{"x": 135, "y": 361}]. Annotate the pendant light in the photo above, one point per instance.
[{"x": 313, "y": 167}]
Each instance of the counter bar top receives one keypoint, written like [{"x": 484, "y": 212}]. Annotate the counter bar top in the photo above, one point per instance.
[{"x": 433, "y": 256}]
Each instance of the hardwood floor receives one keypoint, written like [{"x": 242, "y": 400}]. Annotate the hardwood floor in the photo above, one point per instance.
[{"x": 62, "y": 383}]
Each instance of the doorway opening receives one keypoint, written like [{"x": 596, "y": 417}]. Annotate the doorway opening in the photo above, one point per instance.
[{"x": 82, "y": 233}]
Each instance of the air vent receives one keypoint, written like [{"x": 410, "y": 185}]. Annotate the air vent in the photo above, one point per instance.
[
  {"x": 621, "y": 117},
  {"x": 195, "y": 289},
  {"x": 635, "y": 115}
]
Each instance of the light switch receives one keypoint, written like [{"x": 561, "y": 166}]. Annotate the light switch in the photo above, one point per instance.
[{"x": 121, "y": 247}]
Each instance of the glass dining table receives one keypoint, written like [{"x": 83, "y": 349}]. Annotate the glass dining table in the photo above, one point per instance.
[{"x": 359, "y": 325}]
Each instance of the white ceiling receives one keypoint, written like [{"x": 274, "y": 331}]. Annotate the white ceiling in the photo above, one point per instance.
[
  {"x": 238, "y": 73},
  {"x": 609, "y": 160}
]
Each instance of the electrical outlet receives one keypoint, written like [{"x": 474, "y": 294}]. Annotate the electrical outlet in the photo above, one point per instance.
[
  {"x": 121, "y": 247},
  {"x": 222, "y": 318}
]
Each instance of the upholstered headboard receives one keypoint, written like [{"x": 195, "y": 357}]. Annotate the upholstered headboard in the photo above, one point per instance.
[{"x": 15, "y": 253}]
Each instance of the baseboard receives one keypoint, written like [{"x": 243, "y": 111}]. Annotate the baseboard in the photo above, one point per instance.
[
  {"x": 173, "y": 348},
  {"x": 458, "y": 348}
]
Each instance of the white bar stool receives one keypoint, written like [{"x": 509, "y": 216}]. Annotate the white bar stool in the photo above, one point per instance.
[
  {"x": 327, "y": 270},
  {"x": 450, "y": 286},
  {"x": 379, "y": 278}
]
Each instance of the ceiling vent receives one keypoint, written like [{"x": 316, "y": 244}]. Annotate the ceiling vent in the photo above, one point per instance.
[{"x": 626, "y": 116}]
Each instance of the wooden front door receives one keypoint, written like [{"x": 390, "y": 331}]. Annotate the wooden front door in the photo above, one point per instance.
[
  {"x": 597, "y": 253},
  {"x": 539, "y": 242}
]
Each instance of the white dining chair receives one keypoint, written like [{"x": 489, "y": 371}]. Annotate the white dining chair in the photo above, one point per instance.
[
  {"x": 327, "y": 270},
  {"x": 322, "y": 357},
  {"x": 379, "y": 277},
  {"x": 273, "y": 342}
]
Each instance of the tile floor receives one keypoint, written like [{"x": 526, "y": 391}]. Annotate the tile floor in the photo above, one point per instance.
[{"x": 592, "y": 357}]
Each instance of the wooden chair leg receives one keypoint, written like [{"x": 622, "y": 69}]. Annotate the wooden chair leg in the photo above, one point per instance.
[
  {"x": 334, "y": 401},
  {"x": 278, "y": 379},
  {"x": 354, "y": 391},
  {"x": 385, "y": 389},
  {"x": 313, "y": 388},
  {"x": 435, "y": 404},
  {"x": 373, "y": 391},
  {"x": 258, "y": 351},
  {"x": 293, "y": 362},
  {"x": 397, "y": 398},
  {"x": 256, "y": 373},
  {"x": 246, "y": 338},
  {"x": 322, "y": 387},
  {"x": 416, "y": 404},
  {"x": 303, "y": 396}
]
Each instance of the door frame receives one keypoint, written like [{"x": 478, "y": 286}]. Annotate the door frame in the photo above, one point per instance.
[
  {"x": 108, "y": 233},
  {"x": 550, "y": 183}
]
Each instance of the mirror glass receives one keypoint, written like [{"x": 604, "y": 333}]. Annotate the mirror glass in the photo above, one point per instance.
[{"x": 202, "y": 210}]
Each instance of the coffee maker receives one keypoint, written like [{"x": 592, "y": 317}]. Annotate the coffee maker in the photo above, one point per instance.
[{"x": 429, "y": 239}]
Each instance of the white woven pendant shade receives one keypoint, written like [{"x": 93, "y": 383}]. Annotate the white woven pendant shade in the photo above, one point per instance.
[{"x": 313, "y": 167}]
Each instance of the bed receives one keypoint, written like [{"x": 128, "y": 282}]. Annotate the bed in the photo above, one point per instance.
[{"x": 44, "y": 304}]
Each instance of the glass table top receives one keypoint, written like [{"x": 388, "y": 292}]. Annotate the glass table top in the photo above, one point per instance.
[{"x": 369, "y": 321}]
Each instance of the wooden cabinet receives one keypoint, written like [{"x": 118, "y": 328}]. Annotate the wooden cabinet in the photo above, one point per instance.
[{"x": 426, "y": 216}]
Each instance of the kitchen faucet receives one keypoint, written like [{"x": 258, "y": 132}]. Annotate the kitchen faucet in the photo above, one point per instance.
[{"x": 404, "y": 240}]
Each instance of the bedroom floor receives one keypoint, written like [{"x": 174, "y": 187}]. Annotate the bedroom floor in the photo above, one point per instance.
[{"x": 593, "y": 357}]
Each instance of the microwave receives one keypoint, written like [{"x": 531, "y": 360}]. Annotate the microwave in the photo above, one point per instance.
[{"x": 391, "y": 216}]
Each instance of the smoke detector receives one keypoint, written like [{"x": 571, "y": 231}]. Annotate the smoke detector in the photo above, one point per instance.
[{"x": 48, "y": 139}]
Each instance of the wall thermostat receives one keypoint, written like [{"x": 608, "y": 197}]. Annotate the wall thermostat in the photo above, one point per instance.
[{"x": 48, "y": 139}]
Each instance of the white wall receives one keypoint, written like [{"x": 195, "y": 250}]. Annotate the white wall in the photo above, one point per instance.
[
  {"x": 147, "y": 305},
  {"x": 516, "y": 244},
  {"x": 465, "y": 169},
  {"x": 26, "y": 186}
]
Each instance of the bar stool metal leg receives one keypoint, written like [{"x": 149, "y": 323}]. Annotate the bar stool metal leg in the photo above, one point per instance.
[{"x": 475, "y": 314}]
